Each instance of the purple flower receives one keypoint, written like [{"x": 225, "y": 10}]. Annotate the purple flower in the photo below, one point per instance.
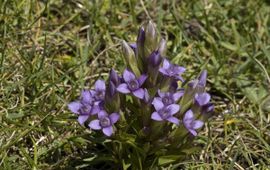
[
  {"x": 85, "y": 107},
  {"x": 203, "y": 101},
  {"x": 105, "y": 122},
  {"x": 165, "y": 112},
  {"x": 191, "y": 124},
  {"x": 155, "y": 59},
  {"x": 168, "y": 98},
  {"x": 99, "y": 91},
  {"x": 132, "y": 85},
  {"x": 200, "y": 82},
  {"x": 114, "y": 81},
  {"x": 172, "y": 70}
]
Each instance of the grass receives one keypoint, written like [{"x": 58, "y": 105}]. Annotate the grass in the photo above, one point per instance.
[{"x": 50, "y": 50}]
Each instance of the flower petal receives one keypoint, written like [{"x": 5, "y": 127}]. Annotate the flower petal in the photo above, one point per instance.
[
  {"x": 86, "y": 96},
  {"x": 166, "y": 64},
  {"x": 197, "y": 124},
  {"x": 95, "y": 124},
  {"x": 74, "y": 107},
  {"x": 95, "y": 109},
  {"x": 108, "y": 131},
  {"x": 179, "y": 69},
  {"x": 161, "y": 94},
  {"x": 193, "y": 132},
  {"x": 173, "y": 108},
  {"x": 102, "y": 114},
  {"x": 139, "y": 93},
  {"x": 163, "y": 71},
  {"x": 173, "y": 120},
  {"x": 177, "y": 95},
  {"x": 202, "y": 78},
  {"x": 157, "y": 104},
  {"x": 82, "y": 119},
  {"x": 114, "y": 117},
  {"x": 100, "y": 85},
  {"x": 128, "y": 75},
  {"x": 142, "y": 79},
  {"x": 188, "y": 116},
  {"x": 123, "y": 88},
  {"x": 156, "y": 116},
  {"x": 202, "y": 99}
]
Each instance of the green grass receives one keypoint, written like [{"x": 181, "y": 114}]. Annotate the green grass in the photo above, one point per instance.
[{"x": 50, "y": 50}]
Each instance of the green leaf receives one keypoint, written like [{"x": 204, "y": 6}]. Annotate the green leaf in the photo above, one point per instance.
[{"x": 163, "y": 160}]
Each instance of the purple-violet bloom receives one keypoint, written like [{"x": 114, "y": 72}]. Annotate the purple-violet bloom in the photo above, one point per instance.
[
  {"x": 85, "y": 107},
  {"x": 172, "y": 70},
  {"x": 165, "y": 112},
  {"x": 191, "y": 124},
  {"x": 199, "y": 82},
  {"x": 168, "y": 98},
  {"x": 105, "y": 122},
  {"x": 132, "y": 84},
  {"x": 203, "y": 101},
  {"x": 114, "y": 81},
  {"x": 99, "y": 91},
  {"x": 155, "y": 59}
]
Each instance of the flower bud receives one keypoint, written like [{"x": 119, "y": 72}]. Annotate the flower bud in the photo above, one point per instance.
[
  {"x": 162, "y": 47},
  {"x": 155, "y": 59},
  {"x": 130, "y": 58},
  {"x": 150, "y": 39}
]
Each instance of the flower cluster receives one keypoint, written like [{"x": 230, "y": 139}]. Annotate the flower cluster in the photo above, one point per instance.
[{"x": 151, "y": 91}]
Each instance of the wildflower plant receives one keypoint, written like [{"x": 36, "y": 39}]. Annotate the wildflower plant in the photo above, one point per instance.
[{"x": 149, "y": 115}]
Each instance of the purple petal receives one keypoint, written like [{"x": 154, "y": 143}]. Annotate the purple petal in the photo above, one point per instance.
[
  {"x": 179, "y": 78},
  {"x": 188, "y": 116},
  {"x": 142, "y": 79},
  {"x": 177, "y": 95},
  {"x": 95, "y": 109},
  {"x": 197, "y": 124},
  {"x": 173, "y": 108},
  {"x": 202, "y": 99},
  {"x": 156, "y": 116},
  {"x": 108, "y": 131},
  {"x": 94, "y": 124},
  {"x": 202, "y": 78},
  {"x": 179, "y": 69},
  {"x": 74, "y": 107},
  {"x": 166, "y": 64},
  {"x": 114, "y": 77},
  {"x": 82, "y": 119},
  {"x": 112, "y": 88},
  {"x": 114, "y": 117},
  {"x": 102, "y": 114},
  {"x": 139, "y": 93},
  {"x": 173, "y": 120},
  {"x": 128, "y": 75},
  {"x": 123, "y": 88},
  {"x": 157, "y": 104},
  {"x": 100, "y": 85},
  {"x": 161, "y": 94},
  {"x": 86, "y": 96},
  {"x": 163, "y": 71},
  {"x": 193, "y": 132},
  {"x": 146, "y": 96}
]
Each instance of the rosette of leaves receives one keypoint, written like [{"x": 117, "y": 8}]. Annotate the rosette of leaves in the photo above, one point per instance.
[{"x": 145, "y": 118}]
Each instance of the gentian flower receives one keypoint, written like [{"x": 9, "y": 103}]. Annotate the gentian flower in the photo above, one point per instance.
[
  {"x": 85, "y": 107},
  {"x": 168, "y": 98},
  {"x": 105, "y": 122},
  {"x": 200, "y": 82},
  {"x": 132, "y": 85},
  {"x": 165, "y": 112},
  {"x": 99, "y": 91},
  {"x": 172, "y": 70},
  {"x": 155, "y": 59},
  {"x": 203, "y": 101},
  {"x": 191, "y": 124},
  {"x": 114, "y": 81}
]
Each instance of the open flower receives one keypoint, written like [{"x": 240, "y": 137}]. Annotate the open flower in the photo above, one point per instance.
[
  {"x": 168, "y": 98},
  {"x": 105, "y": 122},
  {"x": 203, "y": 101},
  {"x": 85, "y": 107},
  {"x": 191, "y": 124},
  {"x": 165, "y": 112},
  {"x": 132, "y": 84},
  {"x": 99, "y": 91},
  {"x": 172, "y": 70}
]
